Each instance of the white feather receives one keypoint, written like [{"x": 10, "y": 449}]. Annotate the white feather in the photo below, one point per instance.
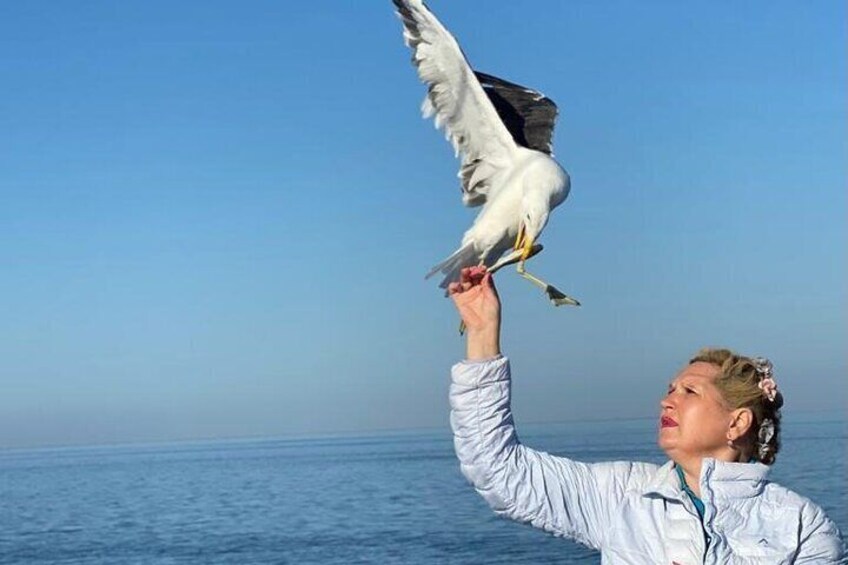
[{"x": 507, "y": 179}]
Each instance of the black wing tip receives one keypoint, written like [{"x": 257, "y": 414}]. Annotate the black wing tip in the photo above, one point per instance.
[
  {"x": 528, "y": 114},
  {"x": 486, "y": 79},
  {"x": 492, "y": 79},
  {"x": 403, "y": 10},
  {"x": 403, "y": 5}
]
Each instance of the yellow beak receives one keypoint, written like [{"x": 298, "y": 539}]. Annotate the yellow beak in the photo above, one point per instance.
[
  {"x": 523, "y": 243},
  {"x": 528, "y": 245}
]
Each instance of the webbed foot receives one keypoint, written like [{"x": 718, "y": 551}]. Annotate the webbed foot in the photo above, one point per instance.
[{"x": 559, "y": 298}]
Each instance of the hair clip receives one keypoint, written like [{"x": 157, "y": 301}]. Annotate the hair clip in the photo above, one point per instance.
[{"x": 766, "y": 372}]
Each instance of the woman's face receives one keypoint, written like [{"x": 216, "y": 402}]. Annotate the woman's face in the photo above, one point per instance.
[{"x": 694, "y": 421}]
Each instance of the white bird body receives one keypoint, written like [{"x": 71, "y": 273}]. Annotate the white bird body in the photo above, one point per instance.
[
  {"x": 502, "y": 133},
  {"x": 534, "y": 181}
]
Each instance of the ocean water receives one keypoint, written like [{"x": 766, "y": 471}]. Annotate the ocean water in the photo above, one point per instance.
[{"x": 395, "y": 498}]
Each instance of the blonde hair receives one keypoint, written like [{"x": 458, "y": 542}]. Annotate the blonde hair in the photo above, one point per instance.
[{"x": 738, "y": 381}]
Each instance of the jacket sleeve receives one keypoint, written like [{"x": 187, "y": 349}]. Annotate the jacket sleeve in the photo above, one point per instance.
[
  {"x": 821, "y": 541},
  {"x": 562, "y": 496}
]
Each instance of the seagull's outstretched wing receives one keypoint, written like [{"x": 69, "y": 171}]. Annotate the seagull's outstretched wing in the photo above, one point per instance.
[
  {"x": 528, "y": 115},
  {"x": 458, "y": 101}
]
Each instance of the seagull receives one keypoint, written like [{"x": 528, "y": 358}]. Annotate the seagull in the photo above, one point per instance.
[{"x": 502, "y": 133}]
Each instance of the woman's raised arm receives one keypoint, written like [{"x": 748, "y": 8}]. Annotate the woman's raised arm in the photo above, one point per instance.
[
  {"x": 479, "y": 307},
  {"x": 562, "y": 496}
]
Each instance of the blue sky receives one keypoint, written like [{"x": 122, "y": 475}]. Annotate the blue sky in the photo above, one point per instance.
[{"x": 216, "y": 216}]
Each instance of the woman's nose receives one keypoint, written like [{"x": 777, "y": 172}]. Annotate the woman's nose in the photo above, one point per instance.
[{"x": 666, "y": 403}]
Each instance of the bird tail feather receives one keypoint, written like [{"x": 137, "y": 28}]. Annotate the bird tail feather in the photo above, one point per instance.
[{"x": 465, "y": 256}]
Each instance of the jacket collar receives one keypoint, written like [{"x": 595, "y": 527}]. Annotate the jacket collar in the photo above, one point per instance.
[
  {"x": 664, "y": 483},
  {"x": 733, "y": 480},
  {"x": 725, "y": 480}
]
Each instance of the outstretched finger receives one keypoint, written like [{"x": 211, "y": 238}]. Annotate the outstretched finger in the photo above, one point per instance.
[
  {"x": 465, "y": 275},
  {"x": 477, "y": 274}
]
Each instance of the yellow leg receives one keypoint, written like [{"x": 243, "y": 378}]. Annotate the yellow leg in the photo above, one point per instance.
[
  {"x": 556, "y": 296},
  {"x": 514, "y": 256}
]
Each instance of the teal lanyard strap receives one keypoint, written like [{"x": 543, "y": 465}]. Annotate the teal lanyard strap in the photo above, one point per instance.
[{"x": 699, "y": 505}]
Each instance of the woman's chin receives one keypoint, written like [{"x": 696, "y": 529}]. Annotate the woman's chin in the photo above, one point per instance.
[{"x": 665, "y": 442}]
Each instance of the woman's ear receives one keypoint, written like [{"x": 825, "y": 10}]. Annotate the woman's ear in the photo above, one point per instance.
[{"x": 741, "y": 420}]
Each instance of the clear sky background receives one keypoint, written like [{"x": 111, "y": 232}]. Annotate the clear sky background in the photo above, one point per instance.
[{"x": 215, "y": 217}]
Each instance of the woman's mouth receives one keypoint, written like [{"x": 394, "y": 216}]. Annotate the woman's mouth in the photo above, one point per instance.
[{"x": 666, "y": 422}]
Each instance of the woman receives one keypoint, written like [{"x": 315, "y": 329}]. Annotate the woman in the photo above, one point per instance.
[{"x": 711, "y": 503}]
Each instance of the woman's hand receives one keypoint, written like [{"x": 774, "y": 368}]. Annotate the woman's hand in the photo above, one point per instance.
[{"x": 478, "y": 304}]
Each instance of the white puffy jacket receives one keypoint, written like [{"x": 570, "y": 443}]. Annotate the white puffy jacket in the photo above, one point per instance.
[{"x": 633, "y": 513}]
